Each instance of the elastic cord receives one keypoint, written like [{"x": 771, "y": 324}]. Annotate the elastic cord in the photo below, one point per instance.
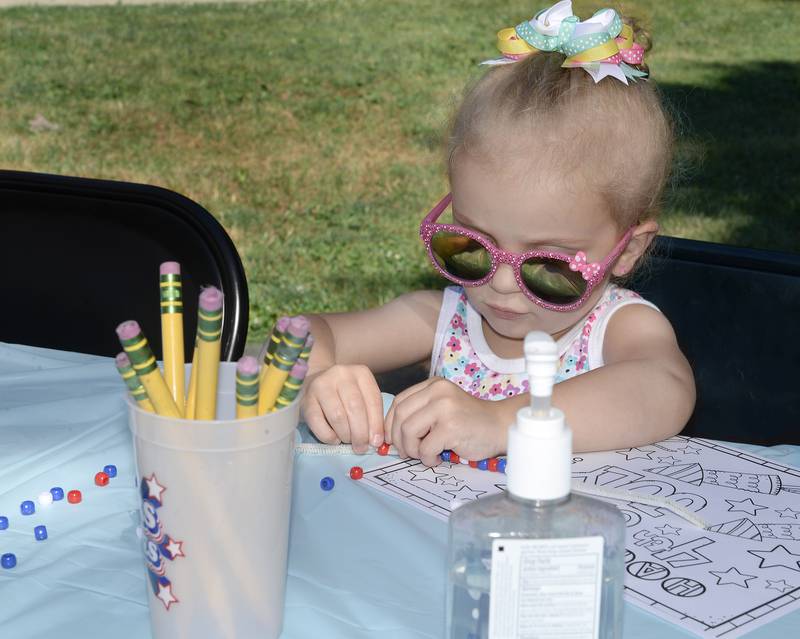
[{"x": 616, "y": 494}]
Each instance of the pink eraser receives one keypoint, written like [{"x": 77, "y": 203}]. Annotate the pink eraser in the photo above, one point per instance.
[
  {"x": 298, "y": 327},
  {"x": 128, "y": 330},
  {"x": 299, "y": 369},
  {"x": 282, "y": 323},
  {"x": 169, "y": 268},
  {"x": 211, "y": 299},
  {"x": 247, "y": 365},
  {"x": 122, "y": 360}
]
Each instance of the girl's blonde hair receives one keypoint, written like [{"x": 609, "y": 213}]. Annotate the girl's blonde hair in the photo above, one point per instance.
[{"x": 612, "y": 138}]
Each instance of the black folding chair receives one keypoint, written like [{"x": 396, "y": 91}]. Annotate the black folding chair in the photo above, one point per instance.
[
  {"x": 80, "y": 255},
  {"x": 735, "y": 312}
]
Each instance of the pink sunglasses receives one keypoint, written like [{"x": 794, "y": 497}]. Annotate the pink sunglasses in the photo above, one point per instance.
[{"x": 555, "y": 281}]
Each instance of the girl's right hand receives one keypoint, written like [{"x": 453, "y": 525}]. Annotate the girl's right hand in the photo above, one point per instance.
[{"x": 343, "y": 404}]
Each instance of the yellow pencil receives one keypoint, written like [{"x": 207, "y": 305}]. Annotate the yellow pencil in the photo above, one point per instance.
[
  {"x": 209, "y": 333},
  {"x": 133, "y": 382},
  {"x": 284, "y": 357},
  {"x": 172, "y": 330},
  {"x": 191, "y": 396},
  {"x": 246, "y": 387},
  {"x": 144, "y": 363},
  {"x": 265, "y": 357}
]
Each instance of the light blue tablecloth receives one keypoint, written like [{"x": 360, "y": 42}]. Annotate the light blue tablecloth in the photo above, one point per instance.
[{"x": 361, "y": 564}]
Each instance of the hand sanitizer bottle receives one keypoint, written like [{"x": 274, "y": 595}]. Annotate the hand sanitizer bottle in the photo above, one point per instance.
[{"x": 536, "y": 561}]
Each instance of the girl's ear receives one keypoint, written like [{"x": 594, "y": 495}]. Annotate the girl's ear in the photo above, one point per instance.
[{"x": 643, "y": 234}]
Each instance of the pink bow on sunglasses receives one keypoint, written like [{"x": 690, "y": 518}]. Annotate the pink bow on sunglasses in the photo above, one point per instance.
[{"x": 555, "y": 281}]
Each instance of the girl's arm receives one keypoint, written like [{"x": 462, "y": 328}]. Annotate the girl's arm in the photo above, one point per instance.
[
  {"x": 644, "y": 393},
  {"x": 342, "y": 402},
  {"x": 396, "y": 334}
]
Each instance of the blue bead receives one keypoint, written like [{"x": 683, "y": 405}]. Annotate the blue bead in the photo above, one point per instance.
[
  {"x": 326, "y": 483},
  {"x": 57, "y": 493},
  {"x": 110, "y": 470},
  {"x": 483, "y": 464},
  {"x": 27, "y": 507},
  {"x": 3, "y": 523},
  {"x": 445, "y": 455},
  {"x": 501, "y": 466},
  {"x": 40, "y": 532},
  {"x": 9, "y": 560}
]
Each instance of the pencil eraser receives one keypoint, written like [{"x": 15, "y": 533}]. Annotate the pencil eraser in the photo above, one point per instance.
[
  {"x": 211, "y": 299},
  {"x": 129, "y": 329},
  {"x": 299, "y": 369},
  {"x": 298, "y": 326},
  {"x": 169, "y": 268},
  {"x": 122, "y": 360},
  {"x": 282, "y": 324},
  {"x": 247, "y": 365}
]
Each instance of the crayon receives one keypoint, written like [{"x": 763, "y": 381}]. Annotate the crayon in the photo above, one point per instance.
[
  {"x": 247, "y": 387},
  {"x": 292, "y": 385},
  {"x": 265, "y": 356},
  {"x": 133, "y": 382},
  {"x": 284, "y": 357},
  {"x": 144, "y": 363},
  {"x": 172, "y": 329},
  {"x": 209, "y": 333},
  {"x": 306, "y": 352},
  {"x": 191, "y": 396}
]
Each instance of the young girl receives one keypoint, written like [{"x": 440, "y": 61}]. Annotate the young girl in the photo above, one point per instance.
[{"x": 556, "y": 168}]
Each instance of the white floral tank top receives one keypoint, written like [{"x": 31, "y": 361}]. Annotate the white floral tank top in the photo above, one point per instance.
[{"x": 462, "y": 355}]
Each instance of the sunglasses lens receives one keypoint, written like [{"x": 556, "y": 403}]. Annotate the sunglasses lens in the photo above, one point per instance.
[
  {"x": 461, "y": 256},
  {"x": 552, "y": 280}
]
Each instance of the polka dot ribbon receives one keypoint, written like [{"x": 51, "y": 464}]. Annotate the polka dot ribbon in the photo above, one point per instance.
[{"x": 602, "y": 45}]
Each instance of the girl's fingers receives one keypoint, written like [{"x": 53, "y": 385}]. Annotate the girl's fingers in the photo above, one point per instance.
[
  {"x": 374, "y": 406},
  {"x": 334, "y": 413},
  {"x": 315, "y": 418},
  {"x": 414, "y": 428},
  {"x": 432, "y": 446},
  {"x": 388, "y": 423},
  {"x": 352, "y": 402},
  {"x": 412, "y": 404}
]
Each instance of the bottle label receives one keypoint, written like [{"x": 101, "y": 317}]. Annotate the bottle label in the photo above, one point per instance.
[{"x": 546, "y": 588}]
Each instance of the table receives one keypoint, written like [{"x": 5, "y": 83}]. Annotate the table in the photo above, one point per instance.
[{"x": 361, "y": 564}]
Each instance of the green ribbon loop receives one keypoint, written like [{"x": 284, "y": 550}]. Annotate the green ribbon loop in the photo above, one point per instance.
[{"x": 565, "y": 42}]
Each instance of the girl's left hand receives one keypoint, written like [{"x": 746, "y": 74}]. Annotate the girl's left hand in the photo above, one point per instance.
[{"x": 436, "y": 415}]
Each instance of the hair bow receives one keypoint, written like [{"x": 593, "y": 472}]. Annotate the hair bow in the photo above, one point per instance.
[
  {"x": 602, "y": 45},
  {"x": 578, "y": 263}
]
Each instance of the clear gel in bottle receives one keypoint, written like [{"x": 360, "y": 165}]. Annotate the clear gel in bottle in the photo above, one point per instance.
[{"x": 536, "y": 561}]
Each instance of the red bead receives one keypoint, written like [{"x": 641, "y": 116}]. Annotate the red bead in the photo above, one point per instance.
[
  {"x": 356, "y": 472},
  {"x": 454, "y": 459},
  {"x": 473, "y": 464},
  {"x": 383, "y": 449},
  {"x": 101, "y": 479},
  {"x": 493, "y": 464},
  {"x": 74, "y": 497}
]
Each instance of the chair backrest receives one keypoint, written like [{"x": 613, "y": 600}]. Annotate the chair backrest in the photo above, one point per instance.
[
  {"x": 80, "y": 256},
  {"x": 735, "y": 312}
]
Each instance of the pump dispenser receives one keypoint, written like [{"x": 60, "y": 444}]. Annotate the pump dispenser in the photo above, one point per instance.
[{"x": 536, "y": 560}]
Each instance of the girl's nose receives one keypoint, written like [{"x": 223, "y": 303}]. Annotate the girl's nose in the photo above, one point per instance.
[{"x": 503, "y": 280}]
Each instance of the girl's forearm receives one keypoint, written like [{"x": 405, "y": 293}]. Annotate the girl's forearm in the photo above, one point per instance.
[
  {"x": 627, "y": 404},
  {"x": 323, "y": 355}
]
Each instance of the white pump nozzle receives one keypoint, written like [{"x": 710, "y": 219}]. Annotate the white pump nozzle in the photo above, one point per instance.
[
  {"x": 541, "y": 364},
  {"x": 540, "y": 443}
]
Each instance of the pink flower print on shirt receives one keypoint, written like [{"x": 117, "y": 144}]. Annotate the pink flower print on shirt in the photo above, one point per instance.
[
  {"x": 496, "y": 389},
  {"x": 454, "y": 343},
  {"x": 471, "y": 369},
  {"x": 457, "y": 322},
  {"x": 511, "y": 390}
]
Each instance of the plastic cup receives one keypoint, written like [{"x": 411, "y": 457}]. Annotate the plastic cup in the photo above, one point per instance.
[{"x": 215, "y": 501}]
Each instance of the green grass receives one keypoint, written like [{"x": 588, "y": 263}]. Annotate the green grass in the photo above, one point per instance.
[{"x": 313, "y": 130}]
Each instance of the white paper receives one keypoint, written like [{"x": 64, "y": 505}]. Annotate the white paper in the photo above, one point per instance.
[{"x": 739, "y": 573}]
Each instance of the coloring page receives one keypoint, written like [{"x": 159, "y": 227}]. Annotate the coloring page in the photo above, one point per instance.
[{"x": 740, "y": 571}]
